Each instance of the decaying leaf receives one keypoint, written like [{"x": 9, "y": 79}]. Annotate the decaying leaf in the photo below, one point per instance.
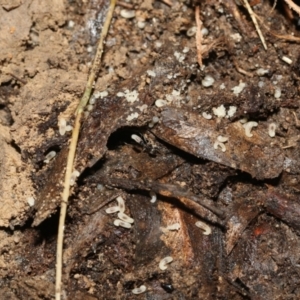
[{"x": 196, "y": 135}]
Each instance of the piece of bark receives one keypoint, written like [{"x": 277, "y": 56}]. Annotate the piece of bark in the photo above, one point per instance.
[
  {"x": 190, "y": 132},
  {"x": 283, "y": 206},
  {"x": 199, "y": 206}
]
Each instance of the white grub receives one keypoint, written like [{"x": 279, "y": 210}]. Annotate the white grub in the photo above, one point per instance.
[
  {"x": 49, "y": 156},
  {"x": 175, "y": 226},
  {"x": 191, "y": 31},
  {"x": 272, "y": 129},
  {"x": 207, "y": 81},
  {"x": 122, "y": 216},
  {"x": 206, "y": 229},
  {"x": 160, "y": 103},
  {"x": 137, "y": 139},
  {"x": 141, "y": 24},
  {"x": 139, "y": 290},
  {"x": 277, "y": 93},
  {"x": 151, "y": 73},
  {"x": 121, "y": 223},
  {"x": 102, "y": 94},
  {"x": 239, "y": 88},
  {"x": 231, "y": 111},
  {"x": 89, "y": 49},
  {"x": 221, "y": 145},
  {"x": 112, "y": 209},
  {"x": 186, "y": 50},
  {"x": 219, "y": 111},
  {"x": 262, "y": 72},
  {"x": 248, "y": 127},
  {"x": 163, "y": 263},
  {"x": 74, "y": 176},
  {"x": 89, "y": 107},
  {"x": 222, "y": 139},
  {"x": 30, "y": 201},
  {"x": 206, "y": 116},
  {"x": 71, "y": 24},
  {"x": 155, "y": 119},
  {"x": 120, "y": 94},
  {"x": 121, "y": 203},
  {"x": 62, "y": 123},
  {"x": 127, "y": 14},
  {"x": 243, "y": 121},
  {"x": 158, "y": 44},
  {"x": 287, "y": 60},
  {"x": 132, "y": 116},
  {"x": 92, "y": 100},
  {"x": 204, "y": 31},
  {"x": 153, "y": 197},
  {"x": 143, "y": 107}
]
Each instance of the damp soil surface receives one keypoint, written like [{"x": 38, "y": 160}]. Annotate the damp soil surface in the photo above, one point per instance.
[{"x": 200, "y": 140}]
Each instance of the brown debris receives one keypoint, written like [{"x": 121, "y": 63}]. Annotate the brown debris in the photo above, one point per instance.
[{"x": 197, "y": 136}]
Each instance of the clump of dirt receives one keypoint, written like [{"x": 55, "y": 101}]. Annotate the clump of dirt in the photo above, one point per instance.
[{"x": 180, "y": 143}]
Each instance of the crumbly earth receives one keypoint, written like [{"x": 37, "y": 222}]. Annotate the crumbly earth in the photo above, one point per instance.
[{"x": 193, "y": 153}]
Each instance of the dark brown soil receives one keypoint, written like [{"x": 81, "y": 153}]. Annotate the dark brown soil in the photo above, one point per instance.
[{"x": 247, "y": 194}]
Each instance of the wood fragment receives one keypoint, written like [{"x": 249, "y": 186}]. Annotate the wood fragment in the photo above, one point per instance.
[
  {"x": 293, "y": 6},
  {"x": 126, "y": 5},
  {"x": 191, "y": 201}
]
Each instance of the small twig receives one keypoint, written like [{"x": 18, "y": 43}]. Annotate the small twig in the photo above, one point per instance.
[
  {"x": 18, "y": 78},
  {"x": 293, "y": 6},
  {"x": 126, "y": 5},
  {"x": 273, "y": 7},
  {"x": 168, "y": 190},
  {"x": 231, "y": 5},
  {"x": 198, "y": 35},
  {"x": 72, "y": 151},
  {"x": 167, "y": 2},
  {"x": 240, "y": 70},
  {"x": 252, "y": 15}
]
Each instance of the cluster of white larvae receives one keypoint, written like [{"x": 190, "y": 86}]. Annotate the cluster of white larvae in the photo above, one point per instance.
[
  {"x": 248, "y": 126},
  {"x": 123, "y": 219},
  {"x": 163, "y": 264},
  {"x": 126, "y": 221}
]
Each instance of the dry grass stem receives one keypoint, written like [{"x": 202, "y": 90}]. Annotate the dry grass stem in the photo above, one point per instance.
[
  {"x": 72, "y": 150},
  {"x": 273, "y": 7},
  {"x": 198, "y": 36},
  {"x": 293, "y": 6},
  {"x": 252, "y": 15}
]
